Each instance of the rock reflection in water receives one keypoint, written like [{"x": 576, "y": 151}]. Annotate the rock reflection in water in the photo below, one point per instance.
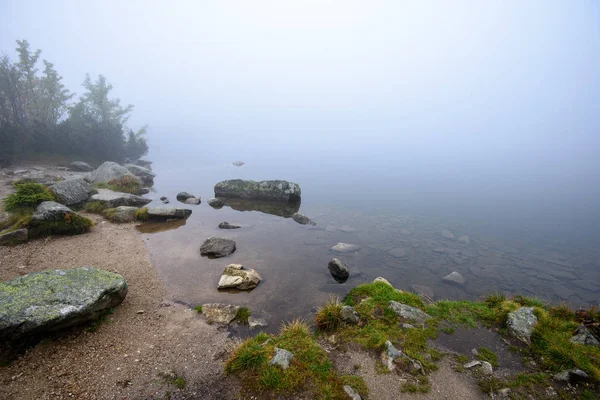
[
  {"x": 285, "y": 210},
  {"x": 154, "y": 227}
]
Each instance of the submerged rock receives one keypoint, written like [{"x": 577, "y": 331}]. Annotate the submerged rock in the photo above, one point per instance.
[
  {"x": 521, "y": 323},
  {"x": 464, "y": 240},
  {"x": 236, "y": 277},
  {"x": 276, "y": 190},
  {"x": 108, "y": 171},
  {"x": 14, "y": 237},
  {"x": 71, "y": 191},
  {"x": 112, "y": 199},
  {"x": 278, "y": 208},
  {"x": 183, "y": 196},
  {"x": 338, "y": 270},
  {"x": 423, "y": 290},
  {"x": 455, "y": 277},
  {"x": 282, "y": 358},
  {"x": 345, "y": 248},
  {"x": 216, "y": 203},
  {"x": 193, "y": 201},
  {"x": 303, "y": 219},
  {"x": 217, "y": 247},
  {"x": 227, "y": 225},
  {"x": 124, "y": 214},
  {"x": 447, "y": 234},
  {"x": 397, "y": 252},
  {"x": 219, "y": 313},
  {"x": 349, "y": 315},
  {"x": 254, "y": 322},
  {"x": 80, "y": 166},
  {"x": 144, "y": 174},
  {"x": 56, "y": 299},
  {"x": 583, "y": 336},
  {"x": 238, "y": 163},
  {"x": 408, "y": 312},
  {"x": 167, "y": 213}
]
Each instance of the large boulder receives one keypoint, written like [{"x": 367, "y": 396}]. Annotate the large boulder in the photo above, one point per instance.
[
  {"x": 219, "y": 313},
  {"x": 115, "y": 199},
  {"x": 236, "y": 277},
  {"x": 408, "y": 312},
  {"x": 521, "y": 323},
  {"x": 14, "y": 237},
  {"x": 144, "y": 174},
  {"x": 338, "y": 270},
  {"x": 55, "y": 218},
  {"x": 80, "y": 166},
  {"x": 276, "y": 190},
  {"x": 215, "y": 247},
  {"x": 56, "y": 299},
  {"x": 168, "y": 213},
  {"x": 71, "y": 191},
  {"x": 108, "y": 171}
]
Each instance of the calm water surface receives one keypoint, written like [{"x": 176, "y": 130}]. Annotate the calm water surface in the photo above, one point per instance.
[{"x": 397, "y": 227}]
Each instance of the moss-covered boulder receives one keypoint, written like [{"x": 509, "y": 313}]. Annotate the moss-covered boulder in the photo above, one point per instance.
[
  {"x": 55, "y": 299},
  {"x": 51, "y": 218},
  {"x": 276, "y": 190}
]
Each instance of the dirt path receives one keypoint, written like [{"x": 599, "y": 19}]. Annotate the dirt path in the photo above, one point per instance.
[{"x": 125, "y": 356}]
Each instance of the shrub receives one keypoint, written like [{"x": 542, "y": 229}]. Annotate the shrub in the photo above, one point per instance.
[{"x": 27, "y": 197}]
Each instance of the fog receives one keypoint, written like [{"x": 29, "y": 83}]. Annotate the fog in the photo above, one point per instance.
[{"x": 469, "y": 108}]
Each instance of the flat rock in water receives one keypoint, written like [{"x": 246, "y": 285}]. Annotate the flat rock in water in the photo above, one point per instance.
[
  {"x": 71, "y": 191},
  {"x": 80, "y": 166},
  {"x": 521, "y": 323},
  {"x": 338, "y": 270},
  {"x": 217, "y": 247},
  {"x": 108, "y": 171},
  {"x": 14, "y": 237},
  {"x": 447, "y": 234},
  {"x": 168, "y": 213},
  {"x": 397, "y": 252},
  {"x": 219, "y": 313},
  {"x": 143, "y": 173},
  {"x": 216, "y": 203},
  {"x": 227, "y": 225},
  {"x": 282, "y": 358},
  {"x": 193, "y": 201},
  {"x": 56, "y": 299},
  {"x": 124, "y": 214},
  {"x": 236, "y": 277},
  {"x": 408, "y": 312},
  {"x": 303, "y": 219},
  {"x": 345, "y": 248},
  {"x": 583, "y": 336},
  {"x": 276, "y": 190},
  {"x": 115, "y": 199},
  {"x": 455, "y": 277}
]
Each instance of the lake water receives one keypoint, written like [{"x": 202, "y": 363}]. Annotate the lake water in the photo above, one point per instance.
[{"x": 397, "y": 222}]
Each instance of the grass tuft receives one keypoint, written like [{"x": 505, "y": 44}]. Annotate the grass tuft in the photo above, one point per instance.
[
  {"x": 485, "y": 354},
  {"x": 27, "y": 197},
  {"x": 242, "y": 315},
  {"x": 141, "y": 214},
  {"x": 328, "y": 316},
  {"x": 198, "y": 309}
]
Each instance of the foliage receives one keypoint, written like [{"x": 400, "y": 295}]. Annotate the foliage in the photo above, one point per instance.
[
  {"x": 27, "y": 196},
  {"x": 36, "y": 114},
  {"x": 124, "y": 184},
  {"x": 242, "y": 315}
]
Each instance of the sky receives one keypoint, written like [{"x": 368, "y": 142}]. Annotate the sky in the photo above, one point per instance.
[{"x": 478, "y": 96}]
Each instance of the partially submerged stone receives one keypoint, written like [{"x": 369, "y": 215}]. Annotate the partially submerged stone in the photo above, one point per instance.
[
  {"x": 236, "y": 277},
  {"x": 303, "y": 219},
  {"x": 14, "y": 237},
  {"x": 455, "y": 278},
  {"x": 167, "y": 213},
  {"x": 238, "y": 163},
  {"x": 216, "y": 203},
  {"x": 349, "y": 315},
  {"x": 397, "y": 252},
  {"x": 219, "y": 313},
  {"x": 183, "y": 196},
  {"x": 338, "y": 270},
  {"x": 583, "y": 336},
  {"x": 408, "y": 312},
  {"x": 254, "y": 322},
  {"x": 216, "y": 247},
  {"x": 71, "y": 191},
  {"x": 276, "y": 190},
  {"x": 56, "y": 299},
  {"x": 193, "y": 201},
  {"x": 345, "y": 248},
  {"x": 521, "y": 323},
  {"x": 54, "y": 218},
  {"x": 281, "y": 358},
  {"x": 227, "y": 225},
  {"x": 112, "y": 199}
]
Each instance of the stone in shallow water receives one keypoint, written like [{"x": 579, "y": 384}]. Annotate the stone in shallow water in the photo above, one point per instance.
[
  {"x": 338, "y": 270},
  {"x": 216, "y": 203},
  {"x": 423, "y": 290},
  {"x": 56, "y": 299},
  {"x": 217, "y": 247},
  {"x": 236, "y": 277},
  {"x": 464, "y": 240},
  {"x": 303, "y": 219},
  {"x": 276, "y": 190},
  {"x": 168, "y": 213},
  {"x": 408, "y": 312},
  {"x": 345, "y": 248},
  {"x": 183, "y": 196},
  {"x": 455, "y": 277},
  {"x": 521, "y": 323},
  {"x": 282, "y": 358},
  {"x": 108, "y": 171},
  {"x": 193, "y": 201},
  {"x": 227, "y": 225},
  {"x": 219, "y": 313}
]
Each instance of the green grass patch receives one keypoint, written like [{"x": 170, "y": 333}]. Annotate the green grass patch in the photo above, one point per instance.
[
  {"x": 198, "y": 309},
  {"x": 179, "y": 382},
  {"x": 328, "y": 316},
  {"x": 125, "y": 184},
  {"x": 109, "y": 213},
  {"x": 485, "y": 354},
  {"x": 242, "y": 315},
  {"x": 27, "y": 197},
  {"x": 141, "y": 214},
  {"x": 95, "y": 207},
  {"x": 310, "y": 370}
]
